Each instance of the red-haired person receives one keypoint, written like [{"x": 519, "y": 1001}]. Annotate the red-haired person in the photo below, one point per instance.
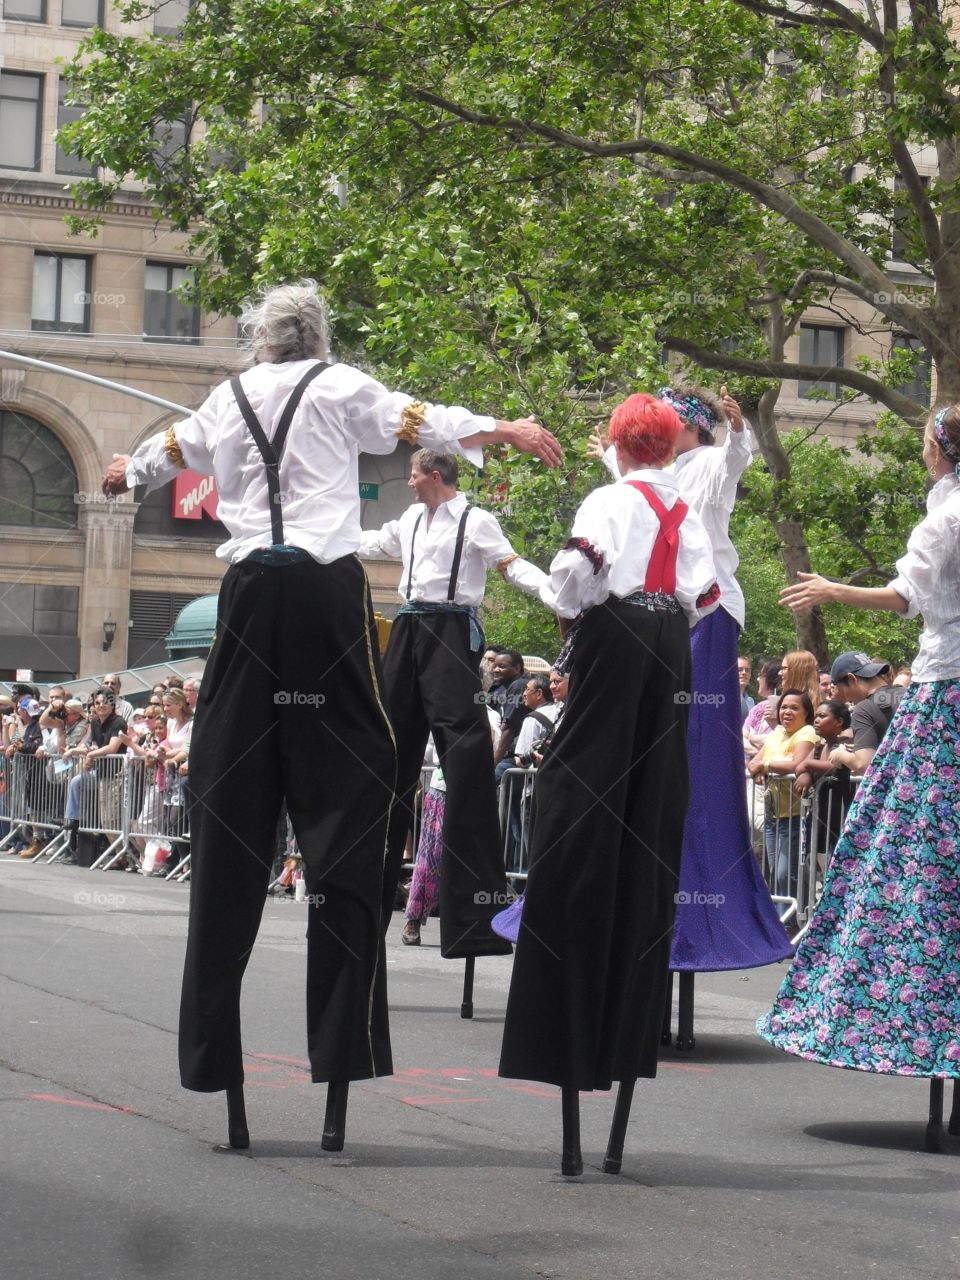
[
  {"x": 589, "y": 978},
  {"x": 745, "y": 931}
]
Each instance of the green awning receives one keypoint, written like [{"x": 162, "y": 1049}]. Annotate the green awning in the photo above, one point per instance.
[{"x": 193, "y": 631}]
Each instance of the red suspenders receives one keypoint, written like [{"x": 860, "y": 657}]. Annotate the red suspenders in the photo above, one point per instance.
[{"x": 662, "y": 569}]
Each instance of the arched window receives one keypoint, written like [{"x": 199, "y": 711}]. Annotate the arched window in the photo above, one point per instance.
[{"x": 38, "y": 483}]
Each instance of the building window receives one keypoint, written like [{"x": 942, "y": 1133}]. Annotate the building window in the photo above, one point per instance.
[
  {"x": 81, "y": 13},
  {"x": 152, "y": 616},
  {"x": 918, "y": 388},
  {"x": 820, "y": 344},
  {"x": 61, "y": 293},
  {"x": 21, "y": 113},
  {"x": 165, "y": 317},
  {"x": 66, "y": 114},
  {"x": 38, "y": 482},
  {"x": 172, "y": 136},
  {"x": 169, "y": 16},
  {"x": 25, "y": 10}
]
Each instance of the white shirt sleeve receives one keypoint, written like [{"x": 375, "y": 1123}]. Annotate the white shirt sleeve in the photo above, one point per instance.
[
  {"x": 152, "y": 464},
  {"x": 730, "y": 461},
  {"x": 495, "y": 550},
  {"x": 376, "y": 419},
  {"x": 920, "y": 569},
  {"x": 610, "y": 461},
  {"x": 578, "y": 575},
  {"x": 697, "y": 589},
  {"x": 384, "y": 541}
]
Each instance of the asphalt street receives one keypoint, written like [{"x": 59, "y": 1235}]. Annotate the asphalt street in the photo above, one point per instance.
[{"x": 739, "y": 1161}]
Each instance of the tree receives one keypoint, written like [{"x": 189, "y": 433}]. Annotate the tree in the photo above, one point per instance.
[{"x": 540, "y": 198}]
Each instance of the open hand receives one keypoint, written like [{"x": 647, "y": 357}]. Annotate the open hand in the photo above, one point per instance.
[
  {"x": 528, "y": 436},
  {"x": 597, "y": 445},
  {"x": 809, "y": 590},
  {"x": 115, "y": 476},
  {"x": 731, "y": 409}
]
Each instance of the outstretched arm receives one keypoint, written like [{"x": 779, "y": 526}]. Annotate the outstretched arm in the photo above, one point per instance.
[
  {"x": 525, "y": 435},
  {"x": 810, "y": 590}
]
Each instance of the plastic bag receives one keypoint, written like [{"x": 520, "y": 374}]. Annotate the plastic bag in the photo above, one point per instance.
[{"x": 155, "y": 857}]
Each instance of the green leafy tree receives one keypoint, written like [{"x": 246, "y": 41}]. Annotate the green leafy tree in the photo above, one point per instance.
[{"x": 523, "y": 205}]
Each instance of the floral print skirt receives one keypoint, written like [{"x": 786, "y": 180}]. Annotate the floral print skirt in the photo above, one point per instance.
[
  {"x": 425, "y": 885},
  {"x": 875, "y": 983}
]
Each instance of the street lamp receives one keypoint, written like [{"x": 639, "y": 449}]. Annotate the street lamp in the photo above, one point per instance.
[{"x": 109, "y": 631}]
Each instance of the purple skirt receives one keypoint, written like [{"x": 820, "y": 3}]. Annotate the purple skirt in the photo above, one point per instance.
[{"x": 725, "y": 916}]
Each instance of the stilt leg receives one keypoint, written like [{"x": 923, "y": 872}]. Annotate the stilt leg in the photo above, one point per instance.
[
  {"x": 238, "y": 1135},
  {"x": 466, "y": 1006},
  {"x": 953, "y": 1127},
  {"x": 335, "y": 1120},
  {"x": 685, "y": 1036},
  {"x": 666, "y": 1037},
  {"x": 618, "y": 1129},
  {"x": 571, "y": 1163},
  {"x": 933, "y": 1138}
]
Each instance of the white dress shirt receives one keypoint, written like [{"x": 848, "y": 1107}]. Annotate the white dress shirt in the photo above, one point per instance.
[
  {"x": 343, "y": 413},
  {"x": 532, "y": 731},
  {"x": 928, "y": 578},
  {"x": 708, "y": 477},
  {"x": 484, "y": 547},
  {"x": 621, "y": 527}
]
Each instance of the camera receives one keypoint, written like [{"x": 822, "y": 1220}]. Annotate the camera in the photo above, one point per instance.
[{"x": 57, "y": 713}]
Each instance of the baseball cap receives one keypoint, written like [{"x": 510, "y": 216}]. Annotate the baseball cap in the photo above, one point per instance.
[
  {"x": 31, "y": 706},
  {"x": 856, "y": 664}
]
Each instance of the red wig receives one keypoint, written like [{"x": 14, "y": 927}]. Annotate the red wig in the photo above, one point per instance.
[{"x": 647, "y": 428}]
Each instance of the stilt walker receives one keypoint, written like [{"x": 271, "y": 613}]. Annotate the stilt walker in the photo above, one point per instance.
[
  {"x": 290, "y": 707},
  {"x": 726, "y": 918},
  {"x": 432, "y": 674},
  {"x": 875, "y": 983},
  {"x": 589, "y": 981}
]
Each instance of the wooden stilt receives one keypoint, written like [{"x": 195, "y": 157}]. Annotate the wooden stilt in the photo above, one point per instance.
[
  {"x": 238, "y": 1135},
  {"x": 685, "y": 1038},
  {"x": 571, "y": 1163},
  {"x": 933, "y": 1137},
  {"x": 618, "y": 1129},
  {"x": 466, "y": 1005},
  {"x": 335, "y": 1120}
]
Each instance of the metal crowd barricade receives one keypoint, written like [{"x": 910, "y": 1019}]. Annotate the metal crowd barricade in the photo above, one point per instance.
[
  {"x": 34, "y": 791},
  {"x": 153, "y": 808},
  {"x": 515, "y": 803}
]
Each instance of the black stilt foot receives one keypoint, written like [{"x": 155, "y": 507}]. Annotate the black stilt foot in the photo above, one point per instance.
[
  {"x": 953, "y": 1128},
  {"x": 666, "y": 1038},
  {"x": 335, "y": 1120},
  {"x": 618, "y": 1129},
  {"x": 238, "y": 1135},
  {"x": 466, "y": 1005},
  {"x": 933, "y": 1137},
  {"x": 571, "y": 1162},
  {"x": 686, "y": 1041}
]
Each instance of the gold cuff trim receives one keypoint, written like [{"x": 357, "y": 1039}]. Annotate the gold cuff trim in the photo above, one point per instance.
[
  {"x": 171, "y": 448},
  {"x": 411, "y": 420},
  {"x": 505, "y": 562}
]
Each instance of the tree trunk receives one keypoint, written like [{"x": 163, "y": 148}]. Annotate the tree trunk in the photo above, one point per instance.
[{"x": 811, "y": 633}]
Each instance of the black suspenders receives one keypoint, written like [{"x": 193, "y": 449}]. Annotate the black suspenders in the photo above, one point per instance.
[
  {"x": 457, "y": 556},
  {"x": 272, "y": 450}
]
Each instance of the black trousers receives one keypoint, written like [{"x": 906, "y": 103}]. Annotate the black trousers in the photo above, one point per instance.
[
  {"x": 589, "y": 979},
  {"x": 290, "y": 708},
  {"x": 433, "y": 685}
]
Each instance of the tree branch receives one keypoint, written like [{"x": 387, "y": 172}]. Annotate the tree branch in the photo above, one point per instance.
[
  {"x": 894, "y": 400},
  {"x": 913, "y": 319},
  {"x": 842, "y": 20}
]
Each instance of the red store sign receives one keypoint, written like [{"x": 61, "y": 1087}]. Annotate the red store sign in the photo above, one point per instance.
[{"x": 194, "y": 495}]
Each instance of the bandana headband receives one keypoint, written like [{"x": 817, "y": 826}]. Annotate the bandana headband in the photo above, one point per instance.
[
  {"x": 943, "y": 440},
  {"x": 693, "y": 411}
]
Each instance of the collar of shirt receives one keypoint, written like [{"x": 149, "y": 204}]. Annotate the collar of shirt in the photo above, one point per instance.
[
  {"x": 451, "y": 509},
  {"x": 652, "y": 475}
]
